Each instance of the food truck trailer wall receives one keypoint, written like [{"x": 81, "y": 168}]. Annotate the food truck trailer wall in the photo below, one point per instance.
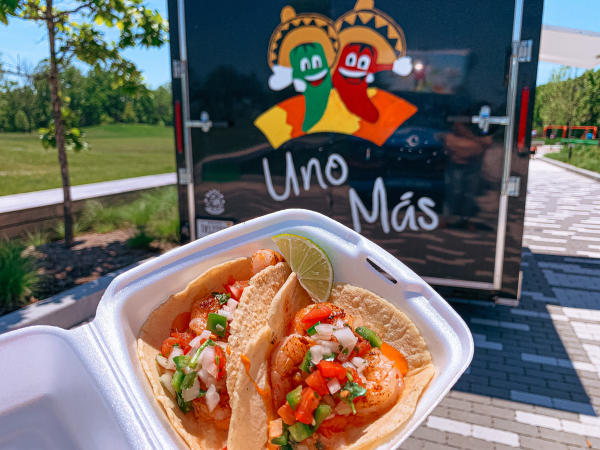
[{"x": 408, "y": 121}]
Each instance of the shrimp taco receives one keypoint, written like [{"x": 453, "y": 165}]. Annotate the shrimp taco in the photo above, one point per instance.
[
  {"x": 347, "y": 373},
  {"x": 185, "y": 344}
]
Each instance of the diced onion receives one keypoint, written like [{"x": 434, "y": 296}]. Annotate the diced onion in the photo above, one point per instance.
[
  {"x": 360, "y": 363},
  {"x": 232, "y": 304},
  {"x": 333, "y": 385},
  {"x": 192, "y": 392},
  {"x": 339, "y": 323},
  {"x": 164, "y": 362},
  {"x": 343, "y": 408},
  {"x": 346, "y": 339},
  {"x": 175, "y": 352},
  {"x": 226, "y": 313},
  {"x": 197, "y": 341},
  {"x": 165, "y": 380},
  {"x": 330, "y": 345},
  {"x": 324, "y": 331},
  {"x": 317, "y": 352},
  {"x": 212, "y": 397}
]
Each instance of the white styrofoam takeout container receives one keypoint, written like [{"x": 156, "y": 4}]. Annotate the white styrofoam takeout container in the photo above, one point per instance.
[{"x": 84, "y": 388}]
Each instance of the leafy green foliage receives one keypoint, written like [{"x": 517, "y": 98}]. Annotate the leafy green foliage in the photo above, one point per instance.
[
  {"x": 73, "y": 138},
  {"x": 18, "y": 275},
  {"x": 140, "y": 240},
  {"x": 21, "y": 121}
]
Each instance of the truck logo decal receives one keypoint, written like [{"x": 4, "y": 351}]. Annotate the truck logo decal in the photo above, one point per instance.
[{"x": 330, "y": 65}]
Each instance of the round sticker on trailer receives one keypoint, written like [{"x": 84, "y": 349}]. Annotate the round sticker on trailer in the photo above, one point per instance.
[{"x": 214, "y": 202}]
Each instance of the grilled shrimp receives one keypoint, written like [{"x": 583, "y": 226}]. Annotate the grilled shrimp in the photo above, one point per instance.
[
  {"x": 219, "y": 416},
  {"x": 285, "y": 360},
  {"x": 200, "y": 310},
  {"x": 383, "y": 382},
  {"x": 264, "y": 258},
  {"x": 337, "y": 313}
]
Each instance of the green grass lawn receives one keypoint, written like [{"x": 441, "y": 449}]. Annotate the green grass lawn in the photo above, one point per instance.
[
  {"x": 584, "y": 156},
  {"x": 117, "y": 151}
]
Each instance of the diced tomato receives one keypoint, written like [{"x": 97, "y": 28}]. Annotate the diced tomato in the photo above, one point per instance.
[
  {"x": 236, "y": 288},
  {"x": 307, "y": 406},
  {"x": 356, "y": 377},
  {"x": 182, "y": 322},
  {"x": 184, "y": 338},
  {"x": 287, "y": 414},
  {"x": 220, "y": 360},
  {"x": 362, "y": 347},
  {"x": 396, "y": 357},
  {"x": 319, "y": 313},
  {"x": 316, "y": 381},
  {"x": 167, "y": 346},
  {"x": 332, "y": 369}
]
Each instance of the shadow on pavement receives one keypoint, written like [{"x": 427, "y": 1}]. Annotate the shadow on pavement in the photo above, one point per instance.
[{"x": 529, "y": 354}]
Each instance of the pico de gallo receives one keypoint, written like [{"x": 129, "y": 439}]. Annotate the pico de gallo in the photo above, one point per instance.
[
  {"x": 347, "y": 376},
  {"x": 195, "y": 353}
]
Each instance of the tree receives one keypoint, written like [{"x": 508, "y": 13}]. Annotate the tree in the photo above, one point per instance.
[
  {"x": 21, "y": 121},
  {"x": 76, "y": 29}
]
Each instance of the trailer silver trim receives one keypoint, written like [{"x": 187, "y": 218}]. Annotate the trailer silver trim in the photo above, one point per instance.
[
  {"x": 185, "y": 106},
  {"x": 511, "y": 101}
]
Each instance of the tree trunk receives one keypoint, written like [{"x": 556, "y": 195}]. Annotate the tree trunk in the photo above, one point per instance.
[{"x": 59, "y": 126}]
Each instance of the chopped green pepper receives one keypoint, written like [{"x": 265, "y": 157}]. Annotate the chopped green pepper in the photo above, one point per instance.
[
  {"x": 300, "y": 431},
  {"x": 181, "y": 361},
  {"x": 293, "y": 397},
  {"x": 188, "y": 380},
  {"x": 306, "y": 362},
  {"x": 217, "y": 324},
  {"x": 183, "y": 405},
  {"x": 321, "y": 413},
  {"x": 223, "y": 298},
  {"x": 177, "y": 379},
  {"x": 370, "y": 336},
  {"x": 196, "y": 356},
  {"x": 312, "y": 330},
  {"x": 280, "y": 440}
]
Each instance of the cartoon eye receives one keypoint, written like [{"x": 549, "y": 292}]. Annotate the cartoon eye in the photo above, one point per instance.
[
  {"x": 304, "y": 64},
  {"x": 351, "y": 59},
  {"x": 364, "y": 62},
  {"x": 316, "y": 62}
]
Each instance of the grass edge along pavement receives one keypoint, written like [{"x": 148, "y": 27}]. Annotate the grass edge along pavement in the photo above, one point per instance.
[
  {"x": 583, "y": 156},
  {"x": 153, "y": 214},
  {"x": 116, "y": 151}
]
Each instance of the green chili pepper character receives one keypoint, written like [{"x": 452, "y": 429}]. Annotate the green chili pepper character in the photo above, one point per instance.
[{"x": 311, "y": 76}]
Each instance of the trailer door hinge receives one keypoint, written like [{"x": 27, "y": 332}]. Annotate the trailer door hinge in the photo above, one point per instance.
[
  {"x": 184, "y": 176},
  {"x": 513, "y": 187},
  {"x": 177, "y": 68},
  {"x": 522, "y": 50}
]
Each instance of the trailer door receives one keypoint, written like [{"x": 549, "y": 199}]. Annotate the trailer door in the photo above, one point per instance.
[{"x": 397, "y": 118}]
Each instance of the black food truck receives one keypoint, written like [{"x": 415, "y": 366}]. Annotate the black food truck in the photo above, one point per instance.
[{"x": 407, "y": 120}]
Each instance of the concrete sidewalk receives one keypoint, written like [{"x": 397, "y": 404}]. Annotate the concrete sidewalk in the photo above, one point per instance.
[
  {"x": 534, "y": 382},
  {"x": 28, "y": 200}
]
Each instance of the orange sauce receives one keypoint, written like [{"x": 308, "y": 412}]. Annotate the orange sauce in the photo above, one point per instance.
[
  {"x": 265, "y": 394},
  {"x": 396, "y": 357}
]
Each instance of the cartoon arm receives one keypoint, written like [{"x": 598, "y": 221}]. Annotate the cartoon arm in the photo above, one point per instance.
[
  {"x": 403, "y": 66},
  {"x": 280, "y": 78}
]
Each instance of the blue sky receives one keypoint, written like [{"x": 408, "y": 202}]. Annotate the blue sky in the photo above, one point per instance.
[{"x": 25, "y": 41}]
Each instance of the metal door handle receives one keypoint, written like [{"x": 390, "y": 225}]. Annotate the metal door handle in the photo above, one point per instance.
[
  {"x": 484, "y": 119},
  {"x": 205, "y": 124}
]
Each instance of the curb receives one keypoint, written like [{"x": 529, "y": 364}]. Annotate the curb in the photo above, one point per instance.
[
  {"x": 64, "y": 310},
  {"x": 578, "y": 170}
]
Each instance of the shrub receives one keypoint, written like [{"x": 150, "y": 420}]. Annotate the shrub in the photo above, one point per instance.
[
  {"x": 21, "y": 121},
  {"x": 140, "y": 240},
  {"x": 18, "y": 275}
]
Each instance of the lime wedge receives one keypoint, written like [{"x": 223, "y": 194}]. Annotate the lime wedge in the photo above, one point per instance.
[{"x": 309, "y": 262}]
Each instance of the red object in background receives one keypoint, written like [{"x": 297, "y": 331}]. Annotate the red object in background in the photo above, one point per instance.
[
  {"x": 178, "y": 131},
  {"x": 523, "y": 117}
]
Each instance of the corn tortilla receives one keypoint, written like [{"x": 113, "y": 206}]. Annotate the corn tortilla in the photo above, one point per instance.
[{"x": 197, "y": 434}]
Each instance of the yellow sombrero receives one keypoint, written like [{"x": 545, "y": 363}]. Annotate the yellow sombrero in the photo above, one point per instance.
[
  {"x": 367, "y": 25},
  {"x": 300, "y": 29}
]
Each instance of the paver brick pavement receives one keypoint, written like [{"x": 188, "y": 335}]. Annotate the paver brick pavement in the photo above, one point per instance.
[{"x": 535, "y": 378}]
